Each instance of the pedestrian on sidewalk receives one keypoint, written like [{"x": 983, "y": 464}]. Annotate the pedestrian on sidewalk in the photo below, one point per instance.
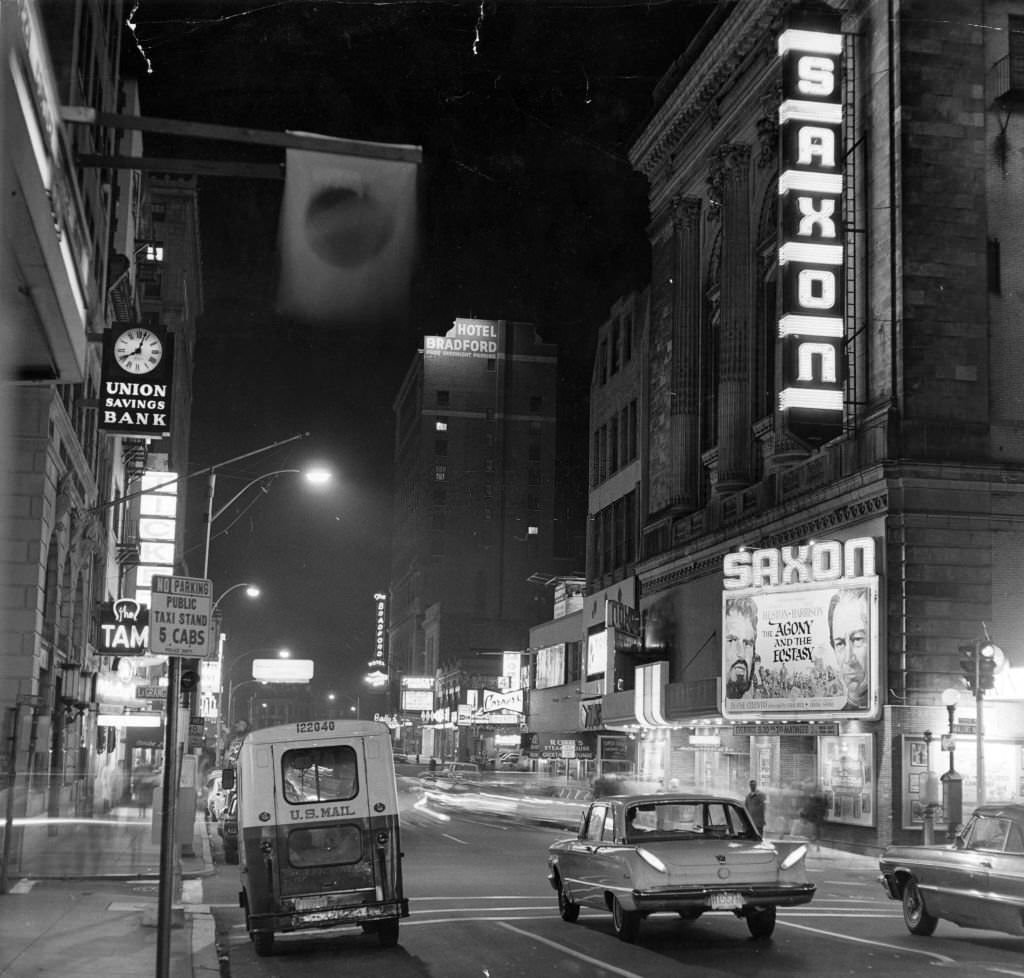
[
  {"x": 815, "y": 809},
  {"x": 145, "y": 785},
  {"x": 755, "y": 803}
]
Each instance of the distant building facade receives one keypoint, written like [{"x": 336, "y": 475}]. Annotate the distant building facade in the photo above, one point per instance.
[{"x": 473, "y": 516}]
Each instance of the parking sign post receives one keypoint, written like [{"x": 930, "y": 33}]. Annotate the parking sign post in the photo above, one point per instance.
[{"x": 180, "y": 615}]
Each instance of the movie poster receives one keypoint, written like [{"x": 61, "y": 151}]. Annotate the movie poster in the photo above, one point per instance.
[{"x": 801, "y": 652}]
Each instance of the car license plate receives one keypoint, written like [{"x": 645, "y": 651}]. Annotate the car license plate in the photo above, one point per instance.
[{"x": 726, "y": 901}]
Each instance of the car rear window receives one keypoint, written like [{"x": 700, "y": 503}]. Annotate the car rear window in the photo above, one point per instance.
[{"x": 688, "y": 821}]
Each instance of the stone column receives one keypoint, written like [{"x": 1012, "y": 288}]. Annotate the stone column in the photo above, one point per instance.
[
  {"x": 736, "y": 331},
  {"x": 685, "y": 387}
]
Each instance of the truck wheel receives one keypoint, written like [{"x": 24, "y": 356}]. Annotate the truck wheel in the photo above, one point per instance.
[
  {"x": 263, "y": 942},
  {"x": 387, "y": 932}
]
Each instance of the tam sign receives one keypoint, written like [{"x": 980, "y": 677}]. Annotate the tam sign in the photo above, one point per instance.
[
  {"x": 811, "y": 251},
  {"x": 124, "y": 627}
]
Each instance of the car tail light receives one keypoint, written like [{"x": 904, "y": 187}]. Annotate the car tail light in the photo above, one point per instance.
[
  {"x": 793, "y": 858},
  {"x": 652, "y": 860}
]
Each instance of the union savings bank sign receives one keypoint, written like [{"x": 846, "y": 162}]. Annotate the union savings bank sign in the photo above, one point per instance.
[{"x": 811, "y": 252}]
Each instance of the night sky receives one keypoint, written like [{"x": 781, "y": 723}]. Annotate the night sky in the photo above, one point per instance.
[{"x": 528, "y": 211}]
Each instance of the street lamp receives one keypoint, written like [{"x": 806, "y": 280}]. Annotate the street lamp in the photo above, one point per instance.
[
  {"x": 251, "y": 591},
  {"x": 952, "y": 783},
  {"x": 315, "y": 476},
  {"x": 353, "y": 701},
  {"x": 233, "y": 687}
]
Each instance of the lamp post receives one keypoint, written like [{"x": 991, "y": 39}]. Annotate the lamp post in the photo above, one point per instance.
[
  {"x": 931, "y": 793},
  {"x": 353, "y": 702},
  {"x": 952, "y": 783},
  {"x": 251, "y": 591},
  {"x": 315, "y": 476},
  {"x": 281, "y": 654}
]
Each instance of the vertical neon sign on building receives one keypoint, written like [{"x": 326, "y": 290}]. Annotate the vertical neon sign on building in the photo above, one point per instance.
[{"x": 811, "y": 252}]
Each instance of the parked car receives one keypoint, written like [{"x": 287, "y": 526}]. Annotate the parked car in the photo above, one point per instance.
[
  {"x": 508, "y": 761},
  {"x": 227, "y": 828},
  {"x": 688, "y": 854},
  {"x": 977, "y": 881},
  {"x": 216, "y": 795}
]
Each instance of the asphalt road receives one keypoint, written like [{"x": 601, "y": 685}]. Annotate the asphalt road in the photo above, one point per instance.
[{"x": 481, "y": 906}]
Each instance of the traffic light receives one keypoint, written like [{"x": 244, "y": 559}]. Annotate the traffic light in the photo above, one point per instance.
[
  {"x": 967, "y": 664},
  {"x": 987, "y": 667}
]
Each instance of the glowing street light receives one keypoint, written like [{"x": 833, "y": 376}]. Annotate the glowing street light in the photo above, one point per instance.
[
  {"x": 251, "y": 591},
  {"x": 315, "y": 476}
]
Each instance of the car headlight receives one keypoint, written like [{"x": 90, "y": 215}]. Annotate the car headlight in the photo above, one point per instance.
[
  {"x": 793, "y": 858},
  {"x": 652, "y": 860}
]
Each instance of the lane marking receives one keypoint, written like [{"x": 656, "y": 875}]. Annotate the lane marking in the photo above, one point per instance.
[
  {"x": 461, "y": 842},
  {"x": 595, "y": 962},
  {"x": 941, "y": 958}
]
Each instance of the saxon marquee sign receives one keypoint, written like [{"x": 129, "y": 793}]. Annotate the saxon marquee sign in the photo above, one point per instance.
[
  {"x": 811, "y": 253},
  {"x": 800, "y": 632}
]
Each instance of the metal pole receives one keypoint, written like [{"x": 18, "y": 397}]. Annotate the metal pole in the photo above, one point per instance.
[
  {"x": 979, "y": 699},
  {"x": 12, "y": 778},
  {"x": 211, "y": 485},
  {"x": 168, "y": 841}
]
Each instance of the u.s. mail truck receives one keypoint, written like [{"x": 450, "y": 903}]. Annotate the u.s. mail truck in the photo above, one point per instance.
[{"x": 318, "y": 830}]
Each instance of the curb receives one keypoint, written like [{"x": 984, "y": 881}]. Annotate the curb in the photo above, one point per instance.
[{"x": 205, "y": 962}]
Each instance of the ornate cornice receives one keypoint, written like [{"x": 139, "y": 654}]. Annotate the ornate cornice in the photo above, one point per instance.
[{"x": 699, "y": 91}]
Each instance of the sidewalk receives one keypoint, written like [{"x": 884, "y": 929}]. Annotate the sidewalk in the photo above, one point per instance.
[{"x": 95, "y": 913}]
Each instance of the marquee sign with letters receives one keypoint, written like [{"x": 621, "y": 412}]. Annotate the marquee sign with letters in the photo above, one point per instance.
[{"x": 811, "y": 252}]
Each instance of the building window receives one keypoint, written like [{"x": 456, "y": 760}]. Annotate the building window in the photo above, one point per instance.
[
  {"x": 627, "y": 338},
  {"x": 440, "y": 472},
  {"x": 1016, "y": 42},
  {"x": 441, "y": 446},
  {"x": 633, "y": 449},
  {"x": 441, "y": 424},
  {"x": 492, "y": 365},
  {"x": 613, "y": 350},
  {"x": 532, "y": 531},
  {"x": 154, "y": 252},
  {"x": 995, "y": 281},
  {"x": 443, "y": 398},
  {"x": 613, "y": 445}
]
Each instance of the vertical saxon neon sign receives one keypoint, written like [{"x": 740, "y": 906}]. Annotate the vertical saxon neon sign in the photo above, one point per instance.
[{"x": 811, "y": 234}]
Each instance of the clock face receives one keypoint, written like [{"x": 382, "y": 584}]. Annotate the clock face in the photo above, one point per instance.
[{"x": 138, "y": 350}]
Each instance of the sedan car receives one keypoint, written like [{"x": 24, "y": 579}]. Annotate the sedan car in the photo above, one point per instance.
[
  {"x": 227, "y": 827},
  {"x": 977, "y": 881},
  {"x": 216, "y": 796},
  {"x": 637, "y": 855}
]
